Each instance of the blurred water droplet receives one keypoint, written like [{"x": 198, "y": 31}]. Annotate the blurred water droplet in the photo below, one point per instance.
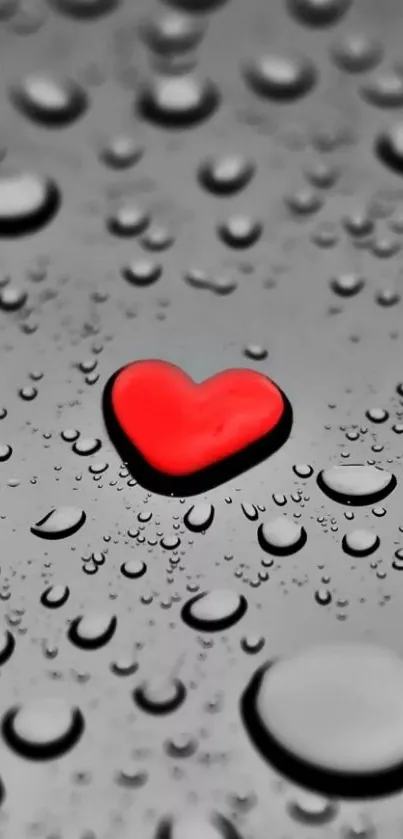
[
  {"x": 283, "y": 78},
  {"x": 160, "y": 695},
  {"x": 226, "y": 175},
  {"x": 308, "y": 808},
  {"x": 357, "y": 52},
  {"x": 50, "y": 101},
  {"x": 318, "y": 12},
  {"x": 178, "y": 101},
  {"x": 27, "y": 203},
  {"x": 172, "y": 32},
  {"x": 347, "y": 285},
  {"x": 121, "y": 152},
  {"x": 389, "y": 148},
  {"x": 85, "y": 9},
  {"x": 7, "y": 646},
  {"x": 142, "y": 272},
  {"x": 92, "y": 630},
  {"x": 42, "y": 729},
  {"x": 55, "y": 596},
  {"x": 128, "y": 220}
]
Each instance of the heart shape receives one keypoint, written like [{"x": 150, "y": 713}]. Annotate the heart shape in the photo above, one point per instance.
[{"x": 179, "y": 437}]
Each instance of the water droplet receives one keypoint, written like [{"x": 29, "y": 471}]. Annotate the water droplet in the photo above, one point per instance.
[
  {"x": 387, "y": 297},
  {"x": 172, "y": 33},
  {"x": 133, "y": 568},
  {"x": 311, "y": 809},
  {"x": 181, "y": 745},
  {"x": 5, "y": 452},
  {"x": 59, "y": 523},
  {"x": 226, "y": 175},
  {"x": 283, "y": 78},
  {"x": 240, "y": 231},
  {"x": 12, "y": 298},
  {"x": 93, "y": 630},
  {"x": 385, "y": 90},
  {"x": 358, "y": 223},
  {"x": 214, "y": 611},
  {"x": 157, "y": 238},
  {"x": 304, "y": 202},
  {"x": 86, "y": 446},
  {"x": 42, "y": 729},
  {"x": 128, "y": 220},
  {"x": 160, "y": 696},
  {"x": 347, "y": 285},
  {"x": 357, "y": 52},
  {"x": 389, "y": 148},
  {"x": 251, "y": 512},
  {"x": 142, "y": 272},
  {"x": 360, "y": 542},
  {"x": 356, "y": 484},
  {"x": 318, "y": 12},
  {"x": 50, "y": 101},
  {"x": 199, "y": 517},
  {"x": 198, "y": 826},
  {"x": 124, "y": 666},
  {"x": 330, "y": 718},
  {"x": 281, "y": 536},
  {"x": 70, "y": 435},
  {"x": 303, "y": 470},
  {"x": 377, "y": 415},
  {"x": 7, "y": 646},
  {"x": 121, "y": 152},
  {"x": 323, "y": 174},
  {"x": 252, "y": 644},
  {"x": 323, "y": 596},
  {"x": 55, "y": 596},
  {"x": 178, "y": 101},
  {"x": 170, "y": 542},
  {"x": 255, "y": 352},
  {"x": 85, "y": 8},
  {"x": 27, "y": 203}
]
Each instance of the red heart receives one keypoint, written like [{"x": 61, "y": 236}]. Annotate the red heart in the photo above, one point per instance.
[{"x": 179, "y": 428}]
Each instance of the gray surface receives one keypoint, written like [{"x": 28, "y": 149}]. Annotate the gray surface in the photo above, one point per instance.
[{"x": 311, "y": 355}]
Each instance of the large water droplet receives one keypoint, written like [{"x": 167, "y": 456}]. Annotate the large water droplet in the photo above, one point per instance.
[
  {"x": 27, "y": 202},
  {"x": 281, "y": 537},
  {"x": 199, "y": 517},
  {"x": 356, "y": 484},
  {"x": 59, "y": 523},
  {"x": 42, "y": 729},
  {"x": 360, "y": 542},
  {"x": 281, "y": 77},
  {"x": 178, "y": 101},
  {"x": 93, "y": 630},
  {"x": 214, "y": 611},
  {"x": 49, "y": 100},
  {"x": 331, "y": 718},
  {"x": 55, "y": 596}
]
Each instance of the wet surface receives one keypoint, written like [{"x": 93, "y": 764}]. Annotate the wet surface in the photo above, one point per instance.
[{"x": 217, "y": 185}]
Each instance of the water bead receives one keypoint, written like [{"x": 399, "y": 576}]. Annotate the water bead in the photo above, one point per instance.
[
  {"x": 282, "y": 78},
  {"x": 178, "y": 101}
]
